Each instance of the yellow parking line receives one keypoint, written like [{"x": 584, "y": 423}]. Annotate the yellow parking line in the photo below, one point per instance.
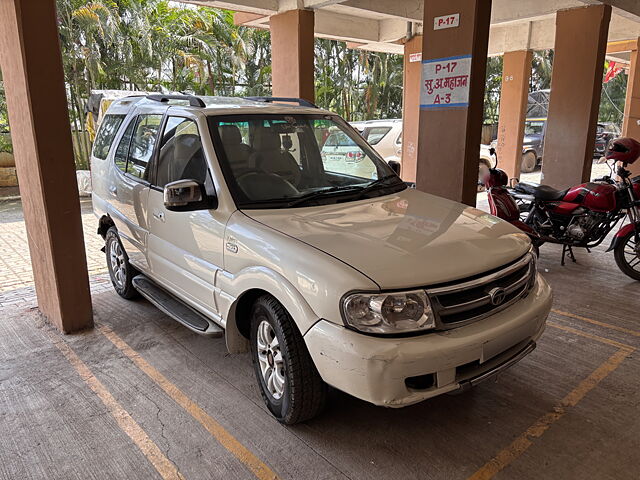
[
  {"x": 524, "y": 441},
  {"x": 597, "y": 322},
  {"x": 228, "y": 441},
  {"x": 162, "y": 464},
  {"x": 598, "y": 338}
]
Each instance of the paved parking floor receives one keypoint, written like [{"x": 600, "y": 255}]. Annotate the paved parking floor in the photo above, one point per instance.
[{"x": 142, "y": 397}]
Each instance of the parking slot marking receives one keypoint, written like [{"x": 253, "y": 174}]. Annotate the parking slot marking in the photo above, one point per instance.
[
  {"x": 228, "y": 441},
  {"x": 524, "y": 441},
  {"x": 598, "y": 338},
  {"x": 597, "y": 322},
  {"x": 162, "y": 464}
]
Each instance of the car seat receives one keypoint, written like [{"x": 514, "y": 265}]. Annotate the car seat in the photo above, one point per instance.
[{"x": 269, "y": 156}]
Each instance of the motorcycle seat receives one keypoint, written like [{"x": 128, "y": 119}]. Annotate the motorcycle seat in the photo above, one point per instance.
[{"x": 541, "y": 192}]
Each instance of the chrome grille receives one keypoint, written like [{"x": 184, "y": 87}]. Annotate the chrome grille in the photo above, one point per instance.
[{"x": 464, "y": 302}]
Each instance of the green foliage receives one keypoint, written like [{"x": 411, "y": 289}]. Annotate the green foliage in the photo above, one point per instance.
[
  {"x": 613, "y": 98},
  {"x": 5, "y": 143}
]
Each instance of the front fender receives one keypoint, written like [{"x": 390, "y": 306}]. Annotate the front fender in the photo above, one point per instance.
[
  {"x": 261, "y": 278},
  {"x": 622, "y": 233}
]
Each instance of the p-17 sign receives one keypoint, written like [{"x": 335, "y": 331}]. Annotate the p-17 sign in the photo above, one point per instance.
[{"x": 445, "y": 82}]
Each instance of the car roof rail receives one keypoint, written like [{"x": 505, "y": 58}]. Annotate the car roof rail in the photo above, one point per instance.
[
  {"x": 192, "y": 99},
  {"x": 300, "y": 101}
]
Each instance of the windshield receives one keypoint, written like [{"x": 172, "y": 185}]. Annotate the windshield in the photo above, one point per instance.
[
  {"x": 282, "y": 161},
  {"x": 533, "y": 127}
]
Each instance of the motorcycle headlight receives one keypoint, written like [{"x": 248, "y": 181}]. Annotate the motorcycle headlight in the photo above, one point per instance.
[{"x": 398, "y": 312}]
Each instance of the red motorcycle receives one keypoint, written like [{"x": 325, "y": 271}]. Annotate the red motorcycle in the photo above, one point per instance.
[{"x": 581, "y": 216}]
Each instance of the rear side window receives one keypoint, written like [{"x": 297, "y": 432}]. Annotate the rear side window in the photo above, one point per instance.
[
  {"x": 376, "y": 134},
  {"x": 104, "y": 139},
  {"x": 142, "y": 145},
  {"x": 120, "y": 158}
]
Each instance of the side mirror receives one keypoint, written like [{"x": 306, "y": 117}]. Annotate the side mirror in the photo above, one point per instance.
[
  {"x": 395, "y": 166},
  {"x": 187, "y": 196}
]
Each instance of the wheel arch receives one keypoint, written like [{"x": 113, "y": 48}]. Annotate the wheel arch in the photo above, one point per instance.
[{"x": 252, "y": 284}]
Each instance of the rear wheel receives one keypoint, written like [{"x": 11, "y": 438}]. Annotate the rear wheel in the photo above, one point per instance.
[
  {"x": 529, "y": 162},
  {"x": 289, "y": 381},
  {"x": 120, "y": 270},
  {"x": 627, "y": 254}
]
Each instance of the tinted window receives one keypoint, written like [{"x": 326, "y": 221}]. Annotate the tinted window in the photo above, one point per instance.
[
  {"x": 120, "y": 157},
  {"x": 144, "y": 139},
  {"x": 181, "y": 155},
  {"x": 376, "y": 134},
  {"x": 108, "y": 129}
]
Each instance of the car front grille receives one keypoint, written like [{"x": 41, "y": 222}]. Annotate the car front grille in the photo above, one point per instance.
[{"x": 464, "y": 302}]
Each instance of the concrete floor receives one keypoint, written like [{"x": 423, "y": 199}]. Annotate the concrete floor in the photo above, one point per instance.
[{"x": 142, "y": 397}]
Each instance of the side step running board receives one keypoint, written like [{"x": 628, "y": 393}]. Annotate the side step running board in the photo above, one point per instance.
[{"x": 176, "y": 309}]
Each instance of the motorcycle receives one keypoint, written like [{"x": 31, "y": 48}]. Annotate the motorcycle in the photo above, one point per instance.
[{"x": 580, "y": 216}]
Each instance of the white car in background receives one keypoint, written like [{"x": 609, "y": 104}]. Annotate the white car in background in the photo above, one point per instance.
[
  {"x": 384, "y": 135},
  {"x": 386, "y": 138}
]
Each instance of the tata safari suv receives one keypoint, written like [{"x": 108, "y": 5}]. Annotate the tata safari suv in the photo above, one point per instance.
[{"x": 225, "y": 214}]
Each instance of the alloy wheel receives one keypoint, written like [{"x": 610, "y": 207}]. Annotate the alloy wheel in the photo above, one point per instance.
[
  {"x": 270, "y": 359},
  {"x": 118, "y": 264}
]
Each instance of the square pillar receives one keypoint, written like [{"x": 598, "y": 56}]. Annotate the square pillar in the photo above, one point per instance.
[
  {"x": 412, "y": 71},
  {"x": 631, "y": 122},
  {"x": 516, "y": 72},
  {"x": 40, "y": 130},
  {"x": 454, "y": 58},
  {"x": 292, "y": 54},
  {"x": 576, "y": 86}
]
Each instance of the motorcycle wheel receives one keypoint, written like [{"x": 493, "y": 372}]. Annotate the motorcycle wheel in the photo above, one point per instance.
[{"x": 627, "y": 255}]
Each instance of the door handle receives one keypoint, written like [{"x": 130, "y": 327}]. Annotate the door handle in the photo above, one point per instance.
[
  {"x": 113, "y": 189},
  {"x": 159, "y": 216}
]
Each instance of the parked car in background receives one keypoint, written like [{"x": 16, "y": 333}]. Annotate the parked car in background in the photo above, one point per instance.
[
  {"x": 605, "y": 132},
  {"x": 233, "y": 218},
  {"x": 384, "y": 135},
  {"x": 533, "y": 143}
]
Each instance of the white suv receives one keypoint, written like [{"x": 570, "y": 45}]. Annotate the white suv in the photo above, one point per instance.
[{"x": 224, "y": 213}]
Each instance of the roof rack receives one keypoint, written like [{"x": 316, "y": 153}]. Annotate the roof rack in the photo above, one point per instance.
[
  {"x": 193, "y": 100},
  {"x": 300, "y": 101}
]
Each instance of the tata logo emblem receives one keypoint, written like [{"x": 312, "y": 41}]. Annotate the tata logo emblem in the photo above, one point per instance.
[{"x": 497, "y": 296}]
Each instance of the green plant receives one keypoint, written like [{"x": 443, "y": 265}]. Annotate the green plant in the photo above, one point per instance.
[{"x": 5, "y": 144}]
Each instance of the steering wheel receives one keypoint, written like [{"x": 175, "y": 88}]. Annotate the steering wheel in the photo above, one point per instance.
[{"x": 259, "y": 185}]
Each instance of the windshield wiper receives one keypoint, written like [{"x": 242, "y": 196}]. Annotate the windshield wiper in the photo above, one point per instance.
[
  {"x": 321, "y": 193},
  {"x": 382, "y": 182}
]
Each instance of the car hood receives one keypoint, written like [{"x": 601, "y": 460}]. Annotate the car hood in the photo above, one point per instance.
[{"x": 403, "y": 240}]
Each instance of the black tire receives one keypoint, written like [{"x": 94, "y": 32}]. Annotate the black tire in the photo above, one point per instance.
[
  {"x": 121, "y": 281},
  {"x": 623, "y": 253},
  {"x": 304, "y": 393},
  {"x": 529, "y": 162}
]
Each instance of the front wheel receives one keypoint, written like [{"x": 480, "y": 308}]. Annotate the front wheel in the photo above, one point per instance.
[
  {"x": 627, "y": 254},
  {"x": 289, "y": 381}
]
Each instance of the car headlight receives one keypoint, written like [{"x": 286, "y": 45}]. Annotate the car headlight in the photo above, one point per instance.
[{"x": 398, "y": 312}]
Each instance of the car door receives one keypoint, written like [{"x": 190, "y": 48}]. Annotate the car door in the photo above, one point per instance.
[
  {"x": 129, "y": 184},
  {"x": 185, "y": 248}
]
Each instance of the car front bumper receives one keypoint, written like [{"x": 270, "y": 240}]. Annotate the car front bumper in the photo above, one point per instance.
[{"x": 376, "y": 369}]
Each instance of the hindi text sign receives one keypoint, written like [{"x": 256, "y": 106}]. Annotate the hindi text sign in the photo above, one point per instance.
[{"x": 445, "y": 82}]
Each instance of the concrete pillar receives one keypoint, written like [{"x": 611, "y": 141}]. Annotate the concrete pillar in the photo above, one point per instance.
[
  {"x": 39, "y": 119},
  {"x": 412, "y": 70},
  {"x": 292, "y": 54},
  {"x": 576, "y": 85},
  {"x": 631, "y": 122},
  {"x": 454, "y": 53},
  {"x": 516, "y": 72}
]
